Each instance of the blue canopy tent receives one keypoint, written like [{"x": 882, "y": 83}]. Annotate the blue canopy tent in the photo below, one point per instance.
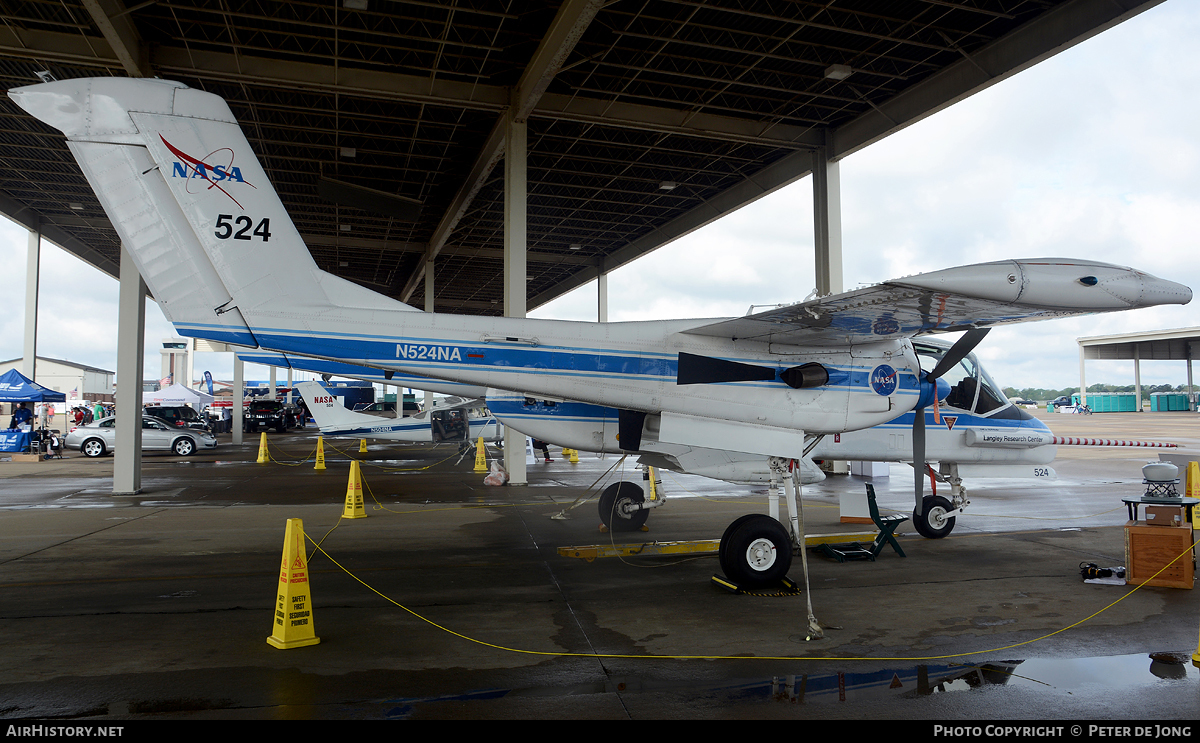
[{"x": 16, "y": 387}]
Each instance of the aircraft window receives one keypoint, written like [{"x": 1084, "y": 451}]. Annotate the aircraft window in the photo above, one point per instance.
[
  {"x": 990, "y": 396},
  {"x": 550, "y": 404},
  {"x": 530, "y": 401}
]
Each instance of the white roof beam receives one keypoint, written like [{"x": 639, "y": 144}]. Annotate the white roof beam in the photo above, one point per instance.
[{"x": 120, "y": 33}]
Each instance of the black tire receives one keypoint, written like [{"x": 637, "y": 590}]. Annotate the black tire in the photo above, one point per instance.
[
  {"x": 728, "y": 532},
  {"x": 611, "y": 513},
  {"x": 757, "y": 552},
  {"x": 933, "y": 522},
  {"x": 184, "y": 446},
  {"x": 93, "y": 448}
]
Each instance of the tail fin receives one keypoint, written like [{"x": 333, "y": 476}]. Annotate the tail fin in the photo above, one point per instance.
[
  {"x": 331, "y": 416},
  {"x": 191, "y": 202}
]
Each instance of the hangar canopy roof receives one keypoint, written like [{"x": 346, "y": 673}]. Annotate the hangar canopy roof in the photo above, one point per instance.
[
  {"x": 381, "y": 122},
  {"x": 1163, "y": 345}
]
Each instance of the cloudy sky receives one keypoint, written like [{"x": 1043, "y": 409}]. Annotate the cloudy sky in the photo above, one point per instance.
[{"x": 1091, "y": 154}]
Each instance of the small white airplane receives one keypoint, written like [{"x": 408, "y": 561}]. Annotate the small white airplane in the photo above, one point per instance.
[
  {"x": 452, "y": 420},
  {"x": 214, "y": 243}
]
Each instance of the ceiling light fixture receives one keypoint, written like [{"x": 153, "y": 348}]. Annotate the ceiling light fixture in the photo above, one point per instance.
[{"x": 838, "y": 71}]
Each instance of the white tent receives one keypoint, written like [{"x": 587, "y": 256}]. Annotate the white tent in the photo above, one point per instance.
[{"x": 177, "y": 394}]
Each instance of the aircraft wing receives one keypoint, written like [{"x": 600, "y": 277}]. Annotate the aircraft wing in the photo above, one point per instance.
[{"x": 954, "y": 299}]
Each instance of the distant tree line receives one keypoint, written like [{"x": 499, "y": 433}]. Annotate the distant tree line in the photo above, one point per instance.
[{"x": 1042, "y": 395}]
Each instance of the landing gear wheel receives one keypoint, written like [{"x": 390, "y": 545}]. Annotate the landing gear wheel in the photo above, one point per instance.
[
  {"x": 729, "y": 531},
  {"x": 756, "y": 551},
  {"x": 613, "y": 503},
  {"x": 933, "y": 523}
]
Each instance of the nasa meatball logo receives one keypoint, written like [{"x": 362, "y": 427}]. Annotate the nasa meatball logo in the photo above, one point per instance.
[{"x": 883, "y": 380}]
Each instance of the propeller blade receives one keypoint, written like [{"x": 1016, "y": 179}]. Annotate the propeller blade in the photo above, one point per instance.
[
  {"x": 694, "y": 369},
  {"x": 918, "y": 457},
  {"x": 959, "y": 351}
]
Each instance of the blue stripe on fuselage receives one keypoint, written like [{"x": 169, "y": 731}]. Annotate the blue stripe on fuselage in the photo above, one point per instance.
[{"x": 431, "y": 354}]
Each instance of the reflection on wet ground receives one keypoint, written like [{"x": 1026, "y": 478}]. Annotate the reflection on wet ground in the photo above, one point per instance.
[{"x": 1063, "y": 675}]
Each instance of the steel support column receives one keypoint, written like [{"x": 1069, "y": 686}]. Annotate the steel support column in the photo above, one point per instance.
[
  {"x": 602, "y": 297},
  {"x": 514, "y": 266},
  {"x": 827, "y": 218},
  {"x": 1137, "y": 377},
  {"x": 33, "y": 264},
  {"x": 239, "y": 396},
  {"x": 429, "y": 305},
  {"x": 131, "y": 346},
  {"x": 1082, "y": 378}
]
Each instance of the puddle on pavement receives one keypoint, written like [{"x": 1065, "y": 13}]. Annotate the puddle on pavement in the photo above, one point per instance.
[{"x": 1069, "y": 675}]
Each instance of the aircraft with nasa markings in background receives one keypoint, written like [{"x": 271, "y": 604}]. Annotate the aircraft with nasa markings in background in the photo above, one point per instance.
[{"x": 450, "y": 421}]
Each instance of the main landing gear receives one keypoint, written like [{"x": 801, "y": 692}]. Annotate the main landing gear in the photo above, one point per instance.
[
  {"x": 755, "y": 551},
  {"x": 622, "y": 507}
]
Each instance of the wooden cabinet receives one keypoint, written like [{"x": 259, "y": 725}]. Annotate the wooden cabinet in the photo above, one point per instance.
[{"x": 1149, "y": 548}]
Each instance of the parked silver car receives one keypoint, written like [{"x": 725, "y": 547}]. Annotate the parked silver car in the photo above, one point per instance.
[{"x": 100, "y": 437}]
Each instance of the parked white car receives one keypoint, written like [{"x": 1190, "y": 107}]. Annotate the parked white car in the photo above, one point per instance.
[{"x": 100, "y": 437}]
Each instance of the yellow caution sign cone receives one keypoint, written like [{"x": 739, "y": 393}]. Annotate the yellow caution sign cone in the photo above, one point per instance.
[
  {"x": 354, "y": 497},
  {"x": 480, "y": 456},
  {"x": 320, "y": 454},
  {"x": 293, "y": 603},
  {"x": 362, "y": 446},
  {"x": 1193, "y": 490},
  {"x": 263, "y": 456},
  {"x": 574, "y": 456}
]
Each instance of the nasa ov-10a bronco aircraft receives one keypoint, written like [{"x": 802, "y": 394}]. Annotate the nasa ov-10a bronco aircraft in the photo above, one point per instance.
[
  {"x": 451, "y": 421},
  {"x": 211, "y": 238}
]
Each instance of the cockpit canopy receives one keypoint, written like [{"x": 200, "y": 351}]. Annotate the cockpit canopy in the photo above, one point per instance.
[{"x": 971, "y": 389}]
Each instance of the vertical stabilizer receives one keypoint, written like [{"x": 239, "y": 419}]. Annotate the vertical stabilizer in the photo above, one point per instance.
[
  {"x": 106, "y": 145},
  {"x": 192, "y": 203}
]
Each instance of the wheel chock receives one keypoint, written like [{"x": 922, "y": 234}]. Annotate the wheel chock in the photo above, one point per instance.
[
  {"x": 354, "y": 496},
  {"x": 480, "y": 456},
  {"x": 787, "y": 587},
  {"x": 293, "y": 626},
  {"x": 320, "y": 454},
  {"x": 604, "y": 529},
  {"x": 263, "y": 456}
]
